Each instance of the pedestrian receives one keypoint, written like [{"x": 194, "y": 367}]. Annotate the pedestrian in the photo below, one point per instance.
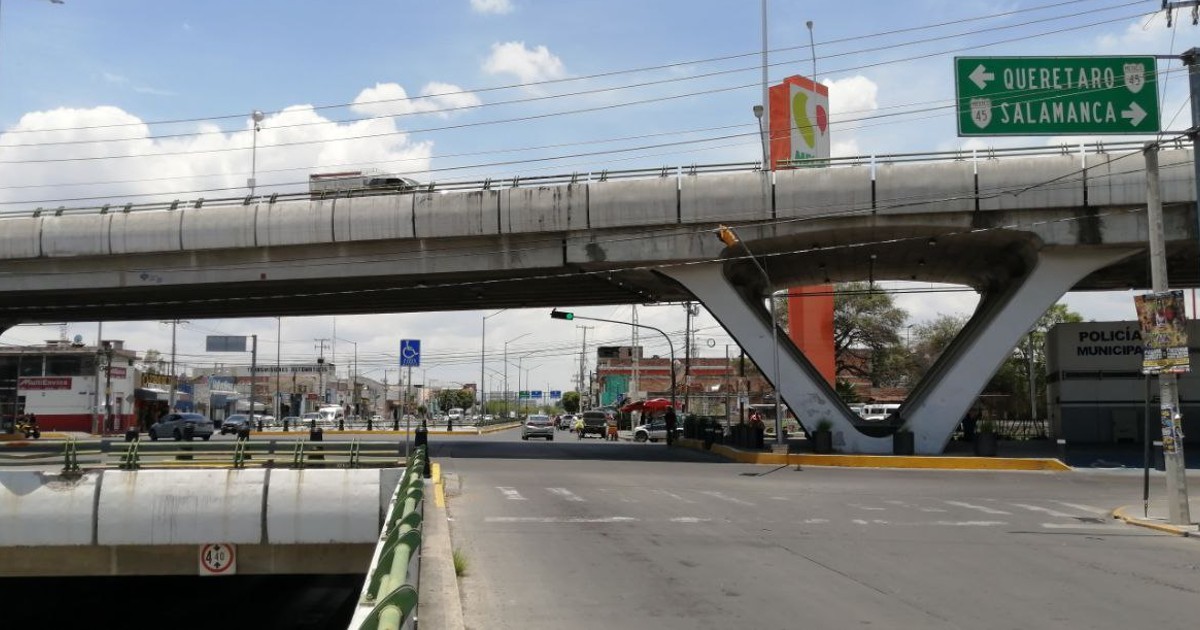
[
  {"x": 670, "y": 418},
  {"x": 612, "y": 429},
  {"x": 968, "y": 425}
]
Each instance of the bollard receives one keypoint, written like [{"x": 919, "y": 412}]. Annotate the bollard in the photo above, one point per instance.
[
  {"x": 259, "y": 425},
  {"x": 422, "y": 439},
  {"x": 315, "y": 434},
  {"x": 243, "y": 433},
  {"x": 1061, "y": 447},
  {"x": 189, "y": 433},
  {"x": 342, "y": 424},
  {"x": 395, "y": 423},
  {"x": 370, "y": 424},
  {"x": 285, "y": 424},
  {"x": 131, "y": 434}
]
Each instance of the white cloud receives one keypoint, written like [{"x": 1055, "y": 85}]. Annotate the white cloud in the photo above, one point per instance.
[
  {"x": 390, "y": 99},
  {"x": 492, "y": 6},
  {"x": 527, "y": 65},
  {"x": 852, "y": 97},
  {"x": 110, "y": 77}
]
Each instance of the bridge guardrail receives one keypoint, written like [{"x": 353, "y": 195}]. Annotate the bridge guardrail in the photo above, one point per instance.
[
  {"x": 389, "y": 597},
  {"x": 1082, "y": 149},
  {"x": 76, "y": 455}
]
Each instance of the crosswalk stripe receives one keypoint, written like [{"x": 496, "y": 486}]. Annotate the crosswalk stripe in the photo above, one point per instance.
[
  {"x": 673, "y": 495},
  {"x": 724, "y": 497},
  {"x": 1036, "y": 508},
  {"x": 1084, "y": 508},
  {"x": 510, "y": 493},
  {"x": 566, "y": 494},
  {"x": 981, "y": 508}
]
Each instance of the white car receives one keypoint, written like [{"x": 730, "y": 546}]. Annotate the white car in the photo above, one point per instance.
[
  {"x": 537, "y": 426},
  {"x": 654, "y": 431}
]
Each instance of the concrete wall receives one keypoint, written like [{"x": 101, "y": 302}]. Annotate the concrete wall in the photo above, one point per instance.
[{"x": 150, "y": 508}]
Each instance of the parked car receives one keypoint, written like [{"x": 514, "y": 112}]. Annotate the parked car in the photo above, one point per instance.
[
  {"x": 537, "y": 426},
  {"x": 182, "y": 425},
  {"x": 236, "y": 423},
  {"x": 654, "y": 431}
]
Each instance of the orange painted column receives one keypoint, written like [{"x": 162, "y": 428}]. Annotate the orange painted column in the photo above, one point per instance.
[{"x": 810, "y": 326}]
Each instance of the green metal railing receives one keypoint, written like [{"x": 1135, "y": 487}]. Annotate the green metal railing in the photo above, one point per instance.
[
  {"x": 76, "y": 456},
  {"x": 389, "y": 595}
]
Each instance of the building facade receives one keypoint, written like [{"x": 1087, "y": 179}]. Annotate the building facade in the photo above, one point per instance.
[{"x": 64, "y": 384}]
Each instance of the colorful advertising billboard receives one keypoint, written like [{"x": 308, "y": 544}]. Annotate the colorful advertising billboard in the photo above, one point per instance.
[
  {"x": 1164, "y": 331},
  {"x": 799, "y": 125}
]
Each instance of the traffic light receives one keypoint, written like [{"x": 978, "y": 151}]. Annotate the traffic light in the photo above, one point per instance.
[{"x": 557, "y": 314}]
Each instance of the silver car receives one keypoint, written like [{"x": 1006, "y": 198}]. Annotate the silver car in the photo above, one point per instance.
[
  {"x": 537, "y": 426},
  {"x": 182, "y": 425}
]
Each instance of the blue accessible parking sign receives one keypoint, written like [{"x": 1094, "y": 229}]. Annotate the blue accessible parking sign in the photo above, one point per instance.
[{"x": 410, "y": 353}]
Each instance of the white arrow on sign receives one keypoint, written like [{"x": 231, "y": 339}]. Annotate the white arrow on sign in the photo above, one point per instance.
[
  {"x": 980, "y": 76},
  {"x": 1135, "y": 114}
]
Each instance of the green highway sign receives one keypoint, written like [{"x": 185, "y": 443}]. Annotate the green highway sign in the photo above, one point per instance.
[{"x": 1030, "y": 96}]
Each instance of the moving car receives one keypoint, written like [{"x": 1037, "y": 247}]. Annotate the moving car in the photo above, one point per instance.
[
  {"x": 182, "y": 425},
  {"x": 537, "y": 426},
  {"x": 566, "y": 422},
  {"x": 236, "y": 423}
]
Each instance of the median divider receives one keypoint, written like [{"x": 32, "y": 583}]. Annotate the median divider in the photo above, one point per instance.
[
  {"x": 389, "y": 598},
  {"x": 935, "y": 462}
]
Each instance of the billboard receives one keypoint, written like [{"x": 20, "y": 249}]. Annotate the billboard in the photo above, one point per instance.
[{"x": 799, "y": 124}]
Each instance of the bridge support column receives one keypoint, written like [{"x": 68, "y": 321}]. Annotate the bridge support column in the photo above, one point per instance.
[
  {"x": 940, "y": 400},
  {"x": 741, "y": 311}
]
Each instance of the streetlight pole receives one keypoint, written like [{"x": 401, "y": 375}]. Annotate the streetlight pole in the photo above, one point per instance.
[
  {"x": 766, "y": 95},
  {"x": 257, "y": 117},
  {"x": 730, "y": 238},
  {"x": 483, "y": 358},
  {"x": 506, "y": 371}
]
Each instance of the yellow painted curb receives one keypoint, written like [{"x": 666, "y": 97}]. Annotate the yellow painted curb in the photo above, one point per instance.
[
  {"x": 881, "y": 461},
  {"x": 439, "y": 492},
  {"x": 1175, "y": 530}
]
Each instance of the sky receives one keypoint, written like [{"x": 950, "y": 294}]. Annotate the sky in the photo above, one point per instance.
[{"x": 140, "y": 101}]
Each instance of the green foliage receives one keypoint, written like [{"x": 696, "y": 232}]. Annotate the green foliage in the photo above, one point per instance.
[
  {"x": 461, "y": 564},
  {"x": 570, "y": 402},
  {"x": 866, "y": 321},
  {"x": 1011, "y": 381},
  {"x": 824, "y": 425},
  {"x": 450, "y": 398},
  {"x": 846, "y": 391}
]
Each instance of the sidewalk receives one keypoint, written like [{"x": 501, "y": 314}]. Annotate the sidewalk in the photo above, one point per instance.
[{"x": 1156, "y": 517}]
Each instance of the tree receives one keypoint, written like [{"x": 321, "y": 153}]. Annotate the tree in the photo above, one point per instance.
[
  {"x": 1012, "y": 378},
  {"x": 570, "y": 402},
  {"x": 866, "y": 321},
  {"x": 451, "y": 398},
  {"x": 931, "y": 339},
  {"x": 153, "y": 362}
]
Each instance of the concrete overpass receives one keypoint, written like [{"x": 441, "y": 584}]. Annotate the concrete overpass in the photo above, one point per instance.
[{"x": 1020, "y": 230}]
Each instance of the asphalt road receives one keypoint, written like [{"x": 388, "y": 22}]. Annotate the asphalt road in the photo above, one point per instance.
[{"x": 595, "y": 534}]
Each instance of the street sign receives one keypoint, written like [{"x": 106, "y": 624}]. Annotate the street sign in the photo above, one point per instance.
[
  {"x": 218, "y": 559},
  {"x": 410, "y": 353},
  {"x": 523, "y": 394},
  {"x": 537, "y": 393},
  {"x": 556, "y": 393},
  {"x": 223, "y": 343},
  {"x": 1030, "y": 96}
]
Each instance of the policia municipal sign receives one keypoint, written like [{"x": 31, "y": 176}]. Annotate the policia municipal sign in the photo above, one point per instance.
[{"x": 1029, "y": 96}]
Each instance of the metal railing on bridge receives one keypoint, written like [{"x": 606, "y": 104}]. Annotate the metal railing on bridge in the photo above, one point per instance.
[
  {"x": 958, "y": 155},
  {"x": 77, "y": 455},
  {"x": 389, "y": 596}
]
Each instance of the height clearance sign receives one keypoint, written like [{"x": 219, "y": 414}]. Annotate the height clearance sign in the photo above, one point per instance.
[{"x": 1029, "y": 96}]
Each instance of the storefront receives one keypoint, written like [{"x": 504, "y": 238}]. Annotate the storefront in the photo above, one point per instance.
[{"x": 63, "y": 384}]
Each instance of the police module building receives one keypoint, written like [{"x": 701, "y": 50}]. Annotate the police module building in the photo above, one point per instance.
[{"x": 1096, "y": 389}]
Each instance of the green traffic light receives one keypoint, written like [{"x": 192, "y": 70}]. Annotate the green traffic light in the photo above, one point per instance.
[{"x": 557, "y": 314}]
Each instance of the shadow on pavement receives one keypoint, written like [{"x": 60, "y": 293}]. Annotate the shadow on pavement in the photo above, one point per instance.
[{"x": 587, "y": 449}]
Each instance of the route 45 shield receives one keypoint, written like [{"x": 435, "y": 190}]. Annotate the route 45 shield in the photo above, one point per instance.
[
  {"x": 1135, "y": 77},
  {"x": 981, "y": 112}
]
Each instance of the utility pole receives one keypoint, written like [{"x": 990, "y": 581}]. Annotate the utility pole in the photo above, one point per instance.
[
  {"x": 171, "y": 396},
  {"x": 321, "y": 369},
  {"x": 687, "y": 357},
  {"x": 583, "y": 364},
  {"x": 278, "y": 396},
  {"x": 253, "y": 372},
  {"x": 1177, "y": 496},
  {"x": 634, "y": 387}
]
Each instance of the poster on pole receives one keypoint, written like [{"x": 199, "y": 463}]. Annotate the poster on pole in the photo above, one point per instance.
[{"x": 1164, "y": 332}]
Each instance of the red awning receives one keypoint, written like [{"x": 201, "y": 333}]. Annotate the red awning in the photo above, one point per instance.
[{"x": 647, "y": 406}]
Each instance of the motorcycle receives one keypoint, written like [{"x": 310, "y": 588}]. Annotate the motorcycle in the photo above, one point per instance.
[{"x": 29, "y": 429}]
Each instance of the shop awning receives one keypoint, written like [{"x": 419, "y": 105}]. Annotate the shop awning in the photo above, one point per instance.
[{"x": 151, "y": 393}]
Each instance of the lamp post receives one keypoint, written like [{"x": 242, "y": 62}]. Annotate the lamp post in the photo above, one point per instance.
[
  {"x": 483, "y": 357},
  {"x": 730, "y": 238},
  {"x": 257, "y": 117},
  {"x": 506, "y": 371}
]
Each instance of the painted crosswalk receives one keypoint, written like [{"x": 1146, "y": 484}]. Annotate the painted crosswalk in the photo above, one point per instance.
[{"x": 701, "y": 506}]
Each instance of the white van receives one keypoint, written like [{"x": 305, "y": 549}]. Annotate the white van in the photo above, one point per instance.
[
  {"x": 877, "y": 412},
  {"x": 329, "y": 415}
]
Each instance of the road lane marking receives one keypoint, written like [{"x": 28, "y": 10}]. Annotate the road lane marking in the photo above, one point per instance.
[
  {"x": 814, "y": 521},
  {"x": 558, "y": 519},
  {"x": 724, "y": 497},
  {"x": 566, "y": 494},
  {"x": 981, "y": 508},
  {"x": 673, "y": 495},
  {"x": 968, "y": 523},
  {"x": 1084, "y": 508},
  {"x": 859, "y": 521},
  {"x": 928, "y": 509},
  {"x": 866, "y": 507},
  {"x": 690, "y": 519},
  {"x": 510, "y": 493},
  {"x": 1078, "y": 526},
  {"x": 1035, "y": 508}
]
